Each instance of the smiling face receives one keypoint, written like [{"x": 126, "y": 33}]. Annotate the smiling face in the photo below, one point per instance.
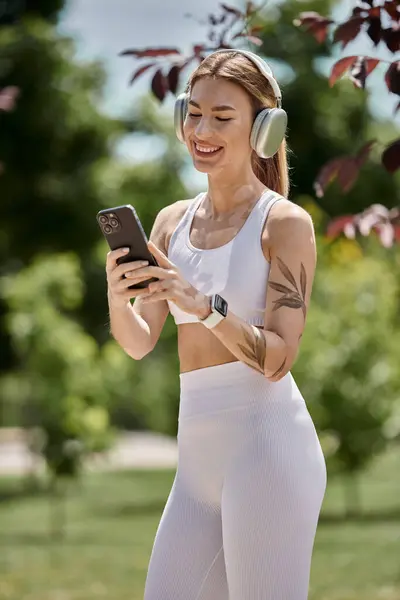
[{"x": 217, "y": 125}]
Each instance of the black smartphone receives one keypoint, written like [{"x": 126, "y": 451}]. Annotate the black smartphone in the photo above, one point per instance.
[{"x": 122, "y": 228}]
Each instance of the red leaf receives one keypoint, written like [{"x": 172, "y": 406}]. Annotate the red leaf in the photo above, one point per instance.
[
  {"x": 348, "y": 173},
  {"x": 357, "y": 11},
  {"x": 363, "y": 154},
  {"x": 159, "y": 85},
  {"x": 347, "y": 31},
  {"x": 326, "y": 175},
  {"x": 391, "y": 157},
  {"x": 374, "y": 12},
  {"x": 375, "y": 30},
  {"x": 362, "y": 67},
  {"x": 392, "y": 9},
  {"x": 315, "y": 24},
  {"x": 255, "y": 40},
  {"x": 150, "y": 52},
  {"x": 337, "y": 225},
  {"x": 391, "y": 37},
  {"x": 173, "y": 78},
  {"x": 251, "y": 38},
  {"x": 198, "y": 49},
  {"x": 140, "y": 71},
  {"x": 392, "y": 78},
  {"x": 308, "y": 18},
  {"x": 340, "y": 67},
  {"x": 233, "y": 11},
  {"x": 345, "y": 169}
]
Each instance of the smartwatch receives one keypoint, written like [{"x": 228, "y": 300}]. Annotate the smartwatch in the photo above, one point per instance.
[{"x": 219, "y": 310}]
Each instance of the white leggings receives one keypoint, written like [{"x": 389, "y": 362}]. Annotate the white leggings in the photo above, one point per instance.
[{"x": 240, "y": 521}]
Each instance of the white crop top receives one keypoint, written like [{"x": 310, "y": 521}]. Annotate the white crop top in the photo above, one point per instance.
[{"x": 237, "y": 270}]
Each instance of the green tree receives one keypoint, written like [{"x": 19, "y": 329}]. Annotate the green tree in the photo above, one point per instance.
[
  {"x": 347, "y": 368},
  {"x": 53, "y": 146}
]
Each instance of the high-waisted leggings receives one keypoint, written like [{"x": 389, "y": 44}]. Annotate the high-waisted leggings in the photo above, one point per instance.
[{"x": 241, "y": 517}]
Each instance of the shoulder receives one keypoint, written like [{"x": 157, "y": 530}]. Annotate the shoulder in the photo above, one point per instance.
[
  {"x": 166, "y": 221},
  {"x": 288, "y": 224},
  {"x": 287, "y": 218}
]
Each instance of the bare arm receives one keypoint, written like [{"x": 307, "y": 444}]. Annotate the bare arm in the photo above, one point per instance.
[
  {"x": 137, "y": 327},
  {"x": 273, "y": 350}
]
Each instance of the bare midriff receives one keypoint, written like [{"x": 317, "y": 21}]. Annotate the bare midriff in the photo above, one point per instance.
[{"x": 198, "y": 348}]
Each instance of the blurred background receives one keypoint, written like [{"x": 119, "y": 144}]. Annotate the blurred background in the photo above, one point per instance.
[{"x": 87, "y": 435}]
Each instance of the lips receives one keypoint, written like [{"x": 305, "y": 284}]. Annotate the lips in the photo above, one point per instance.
[{"x": 206, "y": 151}]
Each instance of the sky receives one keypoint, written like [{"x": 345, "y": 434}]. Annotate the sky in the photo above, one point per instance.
[{"x": 103, "y": 28}]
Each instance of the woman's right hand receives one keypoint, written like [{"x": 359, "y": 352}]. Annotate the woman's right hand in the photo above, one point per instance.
[{"x": 118, "y": 291}]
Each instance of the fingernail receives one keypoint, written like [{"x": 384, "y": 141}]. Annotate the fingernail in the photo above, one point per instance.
[
  {"x": 125, "y": 250},
  {"x": 144, "y": 263}
]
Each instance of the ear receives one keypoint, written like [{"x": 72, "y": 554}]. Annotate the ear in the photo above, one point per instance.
[{"x": 159, "y": 256}]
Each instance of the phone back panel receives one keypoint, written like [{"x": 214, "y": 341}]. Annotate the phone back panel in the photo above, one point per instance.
[{"x": 122, "y": 229}]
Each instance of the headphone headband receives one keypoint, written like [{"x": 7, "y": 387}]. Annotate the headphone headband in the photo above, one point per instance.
[
  {"x": 269, "y": 126},
  {"x": 263, "y": 67}
]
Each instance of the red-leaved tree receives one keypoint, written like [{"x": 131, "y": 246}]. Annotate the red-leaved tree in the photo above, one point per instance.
[{"x": 379, "y": 20}]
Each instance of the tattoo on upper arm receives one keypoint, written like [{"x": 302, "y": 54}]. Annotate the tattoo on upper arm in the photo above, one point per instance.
[
  {"x": 255, "y": 348},
  {"x": 290, "y": 298},
  {"x": 279, "y": 371}
]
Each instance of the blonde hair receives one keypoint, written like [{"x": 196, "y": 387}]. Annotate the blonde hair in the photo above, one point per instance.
[{"x": 233, "y": 66}]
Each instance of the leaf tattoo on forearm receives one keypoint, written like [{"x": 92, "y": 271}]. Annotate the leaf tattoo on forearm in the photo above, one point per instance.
[
  {"x": 291, "y": 298},
  {"x": 255, "y": 348}
]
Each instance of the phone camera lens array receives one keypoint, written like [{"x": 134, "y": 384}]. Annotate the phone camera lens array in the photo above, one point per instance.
[{"x": 109, "y": 223}]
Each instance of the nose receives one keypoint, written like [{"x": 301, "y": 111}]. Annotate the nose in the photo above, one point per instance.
[{"x": 203, "y": 130}]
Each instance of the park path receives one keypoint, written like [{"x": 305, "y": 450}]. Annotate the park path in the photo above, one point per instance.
[{"x": 141, "y": 450}]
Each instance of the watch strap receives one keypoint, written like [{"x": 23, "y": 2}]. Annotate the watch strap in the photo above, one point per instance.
[{"x": 214, "y": 317}]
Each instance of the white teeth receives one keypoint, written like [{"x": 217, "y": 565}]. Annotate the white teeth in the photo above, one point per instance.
[{"x": 206, "y": 148}]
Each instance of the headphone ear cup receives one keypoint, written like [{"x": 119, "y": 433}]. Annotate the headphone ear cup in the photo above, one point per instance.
[
  {"x": 268, "y": 131},
  {"x": 180, "y": 115}
]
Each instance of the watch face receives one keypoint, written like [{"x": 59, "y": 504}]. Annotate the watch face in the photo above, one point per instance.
[{"x": 220, "y": 305}]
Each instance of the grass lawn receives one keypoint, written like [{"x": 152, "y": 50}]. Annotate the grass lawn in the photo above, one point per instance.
[{"x": 112, "y": 520}]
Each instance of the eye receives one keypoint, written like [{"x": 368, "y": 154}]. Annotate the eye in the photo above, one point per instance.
[{"x": 194, "y": 115}]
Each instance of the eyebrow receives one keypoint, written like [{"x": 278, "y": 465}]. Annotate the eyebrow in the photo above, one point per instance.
[{"x": 221, "y": 107}]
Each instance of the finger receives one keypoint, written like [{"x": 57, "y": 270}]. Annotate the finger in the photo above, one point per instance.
[
  {"x": 114, "y": 255},
  {"x": 150, "y": 271},
  {"x": 134, "y": 293},
  {"x": 161, "y": 286},
  {"x": 160, "y": 257},
  {"x": 157, "y": 296},
  {"x": 123, "y": 284},
  {"x": 129, "y": 267}
]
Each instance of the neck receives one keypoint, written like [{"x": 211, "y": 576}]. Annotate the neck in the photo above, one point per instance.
[{"x": 227, "y": 193}]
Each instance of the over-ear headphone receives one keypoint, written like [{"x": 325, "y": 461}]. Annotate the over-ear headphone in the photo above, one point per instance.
[{"x": 270, "y": 124}]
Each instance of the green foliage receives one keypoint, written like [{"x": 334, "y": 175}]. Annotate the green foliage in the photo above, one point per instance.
[
  {"x": 347, "y": 367},
  {"x": 59, "y": 381}
]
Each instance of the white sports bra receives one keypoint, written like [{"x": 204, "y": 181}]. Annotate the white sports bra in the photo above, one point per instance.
[{"x": 237, "y": 270}]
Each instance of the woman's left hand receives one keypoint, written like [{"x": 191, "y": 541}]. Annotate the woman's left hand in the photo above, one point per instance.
[{"x": 171, "y": 286}]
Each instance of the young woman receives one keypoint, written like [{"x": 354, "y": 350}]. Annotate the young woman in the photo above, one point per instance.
[{"x": 236, "y": 266}]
